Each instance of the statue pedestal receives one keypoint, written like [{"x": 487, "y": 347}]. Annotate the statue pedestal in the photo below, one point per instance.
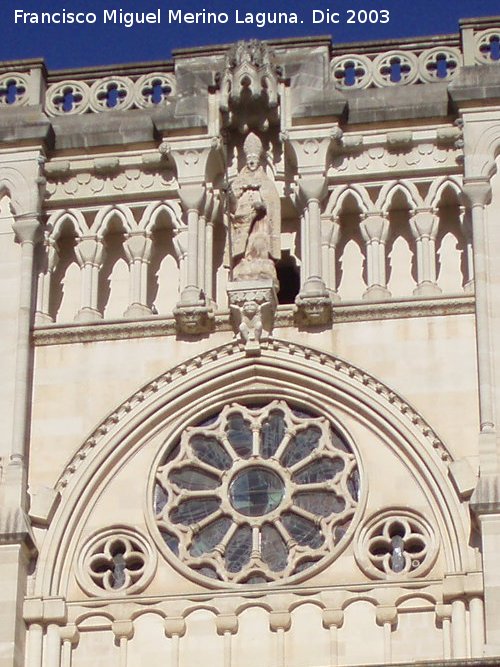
[{"x": 253, "y": 306}]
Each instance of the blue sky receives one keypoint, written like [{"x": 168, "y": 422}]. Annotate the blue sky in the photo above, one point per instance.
[{"x": 102, "y": 44}]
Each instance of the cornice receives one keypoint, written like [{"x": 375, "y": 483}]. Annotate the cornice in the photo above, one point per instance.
[{"x": 361, "y": 311}]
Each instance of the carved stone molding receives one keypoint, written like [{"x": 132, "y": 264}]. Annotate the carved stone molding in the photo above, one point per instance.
[
  {"x": 424, "y": 156},
  {"x": 56, "y": 334},
  {"x": 98, "y": 183}
]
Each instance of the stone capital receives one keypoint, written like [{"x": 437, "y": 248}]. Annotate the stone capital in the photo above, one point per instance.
[
  {"x": 312, "y": 188},
  {"x": 477, "y": 191},
  {"x": 311, "y": 150},
  {"x": 89, "y": 250},
  {"x": 138, "y": 246},
  {"x": 424, "y": 223},
  {"x": 123, "y": 629},
  {"x": 55, "y": 611},
  {"x": 191, "y": 157},
  {"x": 226, "y": 623},
  {"x": 330, "y": 231},
  {"x": 386, "y": 614},
  {"x": 69, "y": 633},
  {"x": 280, "y": 620},
  {"x": 192, "y": 197},
  {"x": 453, "y": 586},
  {"x": 443, "y": 612},
  {"x": 333, "y": 618},
  {"x": 33, "y": 610},
  {"x": 27, "y": 229},
  {"x": 175, "y": 626},
  {"x": 374, "y": 227}
]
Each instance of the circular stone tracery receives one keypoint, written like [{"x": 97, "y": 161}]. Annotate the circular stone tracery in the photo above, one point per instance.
[{"x": 256, "y": 494}]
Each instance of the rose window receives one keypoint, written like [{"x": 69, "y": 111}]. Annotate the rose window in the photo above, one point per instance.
[{"x": 256, "y": 494}]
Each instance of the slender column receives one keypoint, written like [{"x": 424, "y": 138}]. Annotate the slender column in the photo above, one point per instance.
[
  {"x": 175, "y": 628},
  {"x": 458, "y": 629},
  {"x": 485, "y": 500},
  {"x": 443, "y": 613},
  {"x": 66, "y": 653},
  {"x": 55, "y": 615},
  {"x": 466, "y": 227},
  {"x": 193, "y": 231},
  {"x": 209, "y": 259},
  {"x": 27, "y": 231},
  {"x": 137, "y": 248},
  {"x": 52, "y": 646},
  {"x": 48, "y": 263},
  {"x": 476, "y": 614},
  {"x": 312, "y": 191},
  {"x": 424, "y": 225},
  {"x": 202, "y": 249},
  {"x": 123, "y": 631},
  {"x": 330, "y": 230},
  {"x": 280, "y": 622},
  {"x": 227, "y": 625},
  {"x": 192, "y": 198},
  {"x": 478, "y": 194},
  {"x": 90, "y": 255},
  {"x": 333, "y": 619},
  {"x": 304, "y": 247},
  {"x": 374, "y": 230},
  {"x": 34, "y": 645},
  {"x": 180, "y": 241},
  {"x": 69, "y": 637},
  {"x": 387, "y": 617}
]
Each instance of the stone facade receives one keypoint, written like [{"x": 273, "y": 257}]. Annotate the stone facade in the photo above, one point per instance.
[{"x": 251, "y": 357}]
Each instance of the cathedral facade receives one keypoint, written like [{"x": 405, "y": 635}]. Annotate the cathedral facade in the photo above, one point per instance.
[{"x": 250, "y": 350}]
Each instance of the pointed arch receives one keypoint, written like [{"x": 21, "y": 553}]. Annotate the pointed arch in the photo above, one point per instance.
[
  {"x": 407, "y": 189},
  {"x": 337, "y": 198},
  {"x": 480, "y": 158},
  {"x": 23, "y": 196},
  {"x": 74, "y": 217},
  {"x": 107, "y": 214},
  {"x": 150, "y": 215},
  {"x": 439, "y": 186},
  {"x": 202, "y": 385}
]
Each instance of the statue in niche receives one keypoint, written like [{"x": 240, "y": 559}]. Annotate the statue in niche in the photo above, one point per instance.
[{"x": 254, "y": 219}]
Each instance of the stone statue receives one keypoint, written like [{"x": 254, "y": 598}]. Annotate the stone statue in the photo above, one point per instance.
[{"x": 254, "y": 219}]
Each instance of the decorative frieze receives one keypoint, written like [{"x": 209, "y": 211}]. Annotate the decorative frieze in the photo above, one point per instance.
[{"x": 89, "y": 185}]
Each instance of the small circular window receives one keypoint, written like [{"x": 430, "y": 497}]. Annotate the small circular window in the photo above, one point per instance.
[{"x": 256, "y": 494}]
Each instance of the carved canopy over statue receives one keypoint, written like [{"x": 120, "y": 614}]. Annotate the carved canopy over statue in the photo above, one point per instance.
[{"x": 255, "y": 219}]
